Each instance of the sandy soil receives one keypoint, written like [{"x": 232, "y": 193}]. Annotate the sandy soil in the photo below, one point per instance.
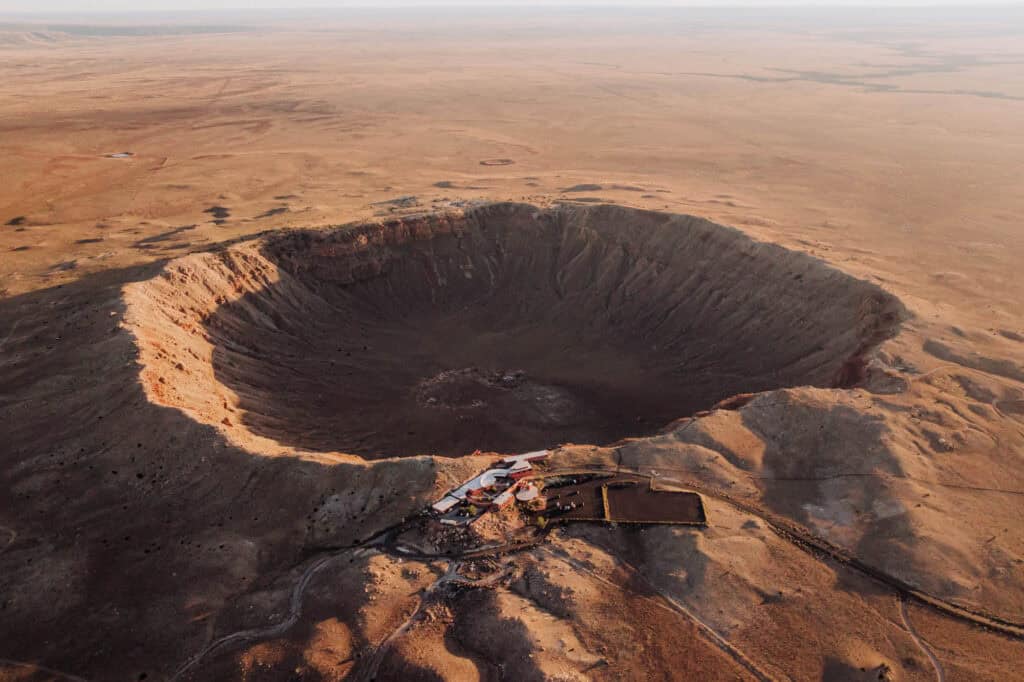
[{"x": 153, "y": 530}]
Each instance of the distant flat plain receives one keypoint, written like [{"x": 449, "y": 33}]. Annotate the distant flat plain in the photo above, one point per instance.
[{"x": 891, "y": 147}]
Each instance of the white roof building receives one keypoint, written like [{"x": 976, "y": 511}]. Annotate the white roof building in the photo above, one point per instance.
[
  {"x": 535, "y": 456},
  {"x": 481, "y": 482},
  {"x": 519, "y": 467},
  {"x": 527, "y": 492},
  {"x": 502, "y": 499},
  {"x": 445, "y": 504},
  {"x": 513, "y": 466}
]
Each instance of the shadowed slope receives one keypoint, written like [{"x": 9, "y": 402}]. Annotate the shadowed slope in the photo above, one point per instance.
[{"x": 510, "y": 328}]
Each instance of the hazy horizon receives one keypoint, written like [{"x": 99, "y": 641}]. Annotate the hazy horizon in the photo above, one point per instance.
[{"x": 79, "y": 7}]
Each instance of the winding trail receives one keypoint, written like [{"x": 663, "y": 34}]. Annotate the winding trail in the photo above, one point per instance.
[
  {"x": 266, "y": 632},
  {"x": 670, "y": 603},
  {"x": 378, "y": 542},
  {"x": 10, "y": 541},
  {"x": 14, "y": 328},
  {"x": 819, "y": 548},
  {"x": 940, "y": 675},
  {"x": 368, "y": 671},
  {"x": 786, "y": 530}
]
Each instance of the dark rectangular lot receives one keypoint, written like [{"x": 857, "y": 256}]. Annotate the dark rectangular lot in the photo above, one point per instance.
[
  {"x": 624, "y": 500},
  {"x": 638, "y": 503}
]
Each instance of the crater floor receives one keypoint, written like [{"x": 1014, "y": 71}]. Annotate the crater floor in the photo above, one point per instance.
[{"x": 509, "y": 328}]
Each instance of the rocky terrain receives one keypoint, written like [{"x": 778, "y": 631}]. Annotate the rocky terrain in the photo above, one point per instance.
[
  {"x": 188, "y": 520},
  {"x": 268, "y": 288}
]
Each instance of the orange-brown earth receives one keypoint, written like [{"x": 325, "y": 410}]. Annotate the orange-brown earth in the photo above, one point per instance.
[{"x": 173, "y": 506}]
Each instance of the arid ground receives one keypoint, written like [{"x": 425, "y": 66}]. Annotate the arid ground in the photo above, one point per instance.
[{"x": 247, "y": 262}]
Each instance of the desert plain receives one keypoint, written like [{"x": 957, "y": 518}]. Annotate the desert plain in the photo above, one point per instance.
[{"x": 246, "y": 259}]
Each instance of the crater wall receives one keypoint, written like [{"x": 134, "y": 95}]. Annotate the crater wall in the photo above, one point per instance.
[{"x": 504, "y": 328}]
